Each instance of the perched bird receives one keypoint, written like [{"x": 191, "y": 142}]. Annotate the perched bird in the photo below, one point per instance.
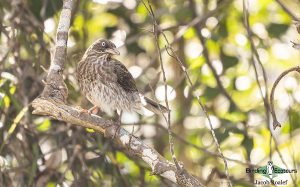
[{"x": 107, "y": 83}]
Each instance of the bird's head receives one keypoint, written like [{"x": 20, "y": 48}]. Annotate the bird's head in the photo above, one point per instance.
[{"x": 103, "y": 46}]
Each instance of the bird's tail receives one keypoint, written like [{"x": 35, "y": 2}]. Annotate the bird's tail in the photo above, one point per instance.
[{"x": 154, "y": 106}]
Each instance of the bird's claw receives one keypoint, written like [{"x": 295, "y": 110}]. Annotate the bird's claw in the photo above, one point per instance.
[
  {"x": 93, "y": 110},
  {"x": 84, "y": 111},
  {"x": 81, "y": 110},
  {"x": 117, "y": 130}
]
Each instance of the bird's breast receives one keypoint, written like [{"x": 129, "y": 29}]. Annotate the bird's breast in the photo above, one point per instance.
[{"x": 98, "y": 82}]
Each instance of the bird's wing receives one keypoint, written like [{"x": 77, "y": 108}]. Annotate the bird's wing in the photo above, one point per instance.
[{"x": 124, "y": 78}]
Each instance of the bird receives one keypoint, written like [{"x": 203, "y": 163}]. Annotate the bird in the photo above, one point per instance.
[{"x": 107, "y": 83}]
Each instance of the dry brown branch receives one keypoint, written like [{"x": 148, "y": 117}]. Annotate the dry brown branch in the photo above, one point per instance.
[
  {"x": 52, "y": 103},
  {"x": 129, "y": 144},
  {"x": 272, "y": 110},
  {"x": 56, "y": 88}
]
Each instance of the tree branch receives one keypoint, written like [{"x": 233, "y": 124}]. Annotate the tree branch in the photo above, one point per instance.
[
  {"x": 286, "y": 9},
  {"x": 128, "y": 143},
  {"x": 55, "y": 87},
  {"x": 52, "y": 103},
  {"x": 275, "y": 121}
]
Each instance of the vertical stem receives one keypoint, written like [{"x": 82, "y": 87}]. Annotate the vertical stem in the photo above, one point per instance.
[{"x": 55, "y": 87}]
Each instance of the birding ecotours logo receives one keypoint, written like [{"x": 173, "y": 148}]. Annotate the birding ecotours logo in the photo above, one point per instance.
[{"x": 270, "y": 172}]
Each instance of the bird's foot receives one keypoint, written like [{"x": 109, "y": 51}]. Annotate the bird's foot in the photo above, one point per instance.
[
  {"x": 118, "y": 124},
  {"x": 81, "y": 110},
  {"x": 93, "y": 110},
  {"x": 117, "y": 130}
]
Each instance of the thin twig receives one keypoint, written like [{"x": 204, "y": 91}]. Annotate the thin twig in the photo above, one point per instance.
[
  {"x": 255, "y": 56},
  {"x": 272, "y": 110},
  {"x": 202, "y": 149},
  {"x": 223, "y": 90},
  {"x": 285, "y": 8},
  {"x": 200, "y": 103},
  {"x": 268, "y": 106},
  {"x": 156, "y": 33},
  {"x": 214, "y": 72}
]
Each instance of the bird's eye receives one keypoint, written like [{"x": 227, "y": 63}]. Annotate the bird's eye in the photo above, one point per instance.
[{"x": 103, "y": 44}]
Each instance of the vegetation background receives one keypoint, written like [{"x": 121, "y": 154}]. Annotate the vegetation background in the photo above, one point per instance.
[{"x": 225, "y": 58}]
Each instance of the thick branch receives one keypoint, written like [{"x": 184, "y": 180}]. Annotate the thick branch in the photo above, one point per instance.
[
  {"x": 131, "y": 145},
  {"x": 55, "y": 87}
]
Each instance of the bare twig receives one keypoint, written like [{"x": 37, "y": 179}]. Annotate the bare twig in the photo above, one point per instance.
[
  {"x": 207, "y": 59},
  {"x": 156, "y": 33},
  {"x": 295, "y": 45},
  {"x": 272, "y": 110},
  {"x": 202, "y": 149},
  {"x": 207, "y": 117},
  {"x": 198, "y": 97},
  {"x": 285, "y": 8},
  {"x": 268, "y": 106},
  {"x": 255, "y": 58},
  {"x": 223, "y": 90}
]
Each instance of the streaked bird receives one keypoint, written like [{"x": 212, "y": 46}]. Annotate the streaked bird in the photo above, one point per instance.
[{"x": 107, "y": 83}]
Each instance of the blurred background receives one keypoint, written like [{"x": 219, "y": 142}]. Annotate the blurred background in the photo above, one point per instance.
[{"x": 213, "y": 40}]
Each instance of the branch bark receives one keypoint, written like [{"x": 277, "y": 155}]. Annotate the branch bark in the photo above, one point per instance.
[
  {"x": 123, "y": 139},
  {"x": 55, "y": 87},
  {"x": 52, "y": 103}
]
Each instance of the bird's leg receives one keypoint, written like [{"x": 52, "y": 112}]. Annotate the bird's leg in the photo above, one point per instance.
[
  {"x": 117, "y": 119},
  {"x": 93, "y": 110},
  {"x": 118, "y": 115}
]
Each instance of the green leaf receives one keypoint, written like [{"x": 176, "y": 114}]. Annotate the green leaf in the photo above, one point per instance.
[
  {"x": 51, "y": 7},
  {"x": 248, "y": 144},
  {"x": 222, "y": 30},
  {"x": 277, "y": 29},
  {"x": 221, "y": 134},
  {"x": 228, "y": 61},
  {"x": 183, "y": 14},
  {"x": 294, "y": 118},
  {"x": 211, "y": 93}
]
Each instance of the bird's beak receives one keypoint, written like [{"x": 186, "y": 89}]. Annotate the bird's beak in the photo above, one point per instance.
[{"x": 113, "y": 51}]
